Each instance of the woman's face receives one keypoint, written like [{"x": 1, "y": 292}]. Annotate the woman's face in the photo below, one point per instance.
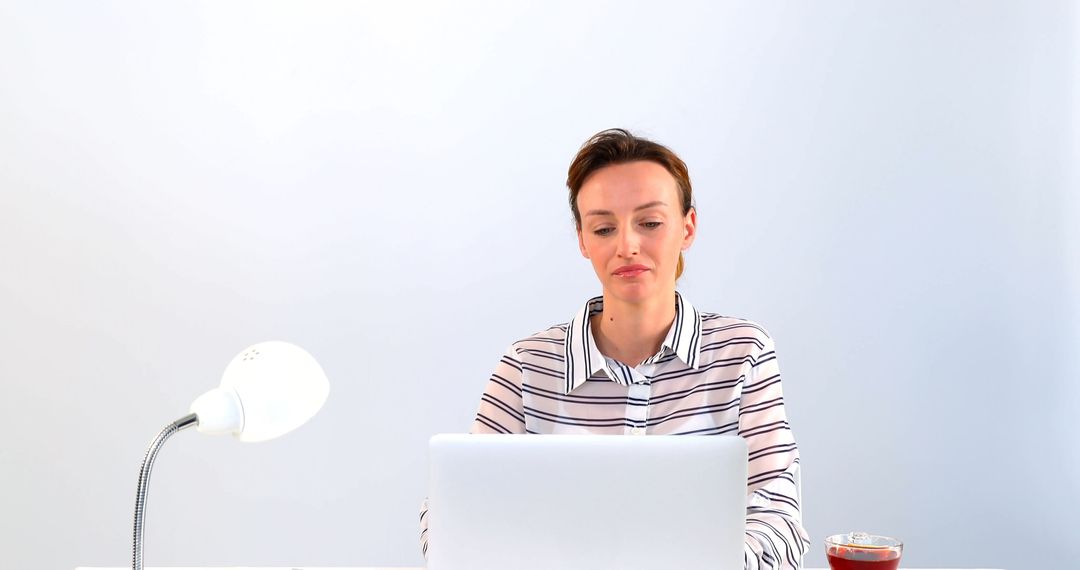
[{"x": 633, "y": 229}]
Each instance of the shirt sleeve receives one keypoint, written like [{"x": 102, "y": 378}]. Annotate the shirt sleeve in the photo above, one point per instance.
[
  {"x": 501, "y": 411},
  {"x": 501, "y": 407},
  {"x": 775, "y": 537}
]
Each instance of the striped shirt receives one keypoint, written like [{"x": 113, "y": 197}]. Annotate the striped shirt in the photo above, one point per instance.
[{"x": 712, "y": 375}]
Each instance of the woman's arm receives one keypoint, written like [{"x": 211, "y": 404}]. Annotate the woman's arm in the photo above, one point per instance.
[
  {"x": 501, "y": 408},
  {"x": 775, "y": 537},
  {"x": 501, "y": 411}
]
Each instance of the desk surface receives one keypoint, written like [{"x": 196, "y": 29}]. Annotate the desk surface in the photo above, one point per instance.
[{"x": 335, "y": 568}]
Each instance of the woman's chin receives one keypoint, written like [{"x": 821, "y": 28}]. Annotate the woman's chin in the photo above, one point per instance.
[{"x": 633, "y": 292}]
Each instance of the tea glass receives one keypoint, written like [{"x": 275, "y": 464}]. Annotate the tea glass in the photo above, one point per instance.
[{"x": 862, "y": 551}]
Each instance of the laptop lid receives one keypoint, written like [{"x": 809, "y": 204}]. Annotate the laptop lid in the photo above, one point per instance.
[{"x": 586, "y": 502}]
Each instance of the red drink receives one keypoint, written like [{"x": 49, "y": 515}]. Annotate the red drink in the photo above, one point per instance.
[{"x": 861, "y": 551}]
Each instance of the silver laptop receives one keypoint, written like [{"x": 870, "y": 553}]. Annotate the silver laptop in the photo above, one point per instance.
[{"x": 585, "y": 502}]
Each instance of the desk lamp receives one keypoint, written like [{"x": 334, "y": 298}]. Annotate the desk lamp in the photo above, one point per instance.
[{"x": 268, "y": 390}]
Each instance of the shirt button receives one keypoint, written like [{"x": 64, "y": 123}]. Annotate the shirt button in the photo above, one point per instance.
[{"x": 637, "y": 431}]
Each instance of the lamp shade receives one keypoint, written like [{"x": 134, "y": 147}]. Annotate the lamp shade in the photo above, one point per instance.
[{"x": 268, "y": 390}]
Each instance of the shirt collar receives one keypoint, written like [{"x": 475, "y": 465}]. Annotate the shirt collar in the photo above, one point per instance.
[{"x": 583, "y": 358}]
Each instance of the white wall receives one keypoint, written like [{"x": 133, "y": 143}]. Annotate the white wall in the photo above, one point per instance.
[{"x": 885, "y": 185}]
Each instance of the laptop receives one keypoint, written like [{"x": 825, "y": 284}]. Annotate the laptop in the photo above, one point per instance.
[{"x": 586, "y": 502}]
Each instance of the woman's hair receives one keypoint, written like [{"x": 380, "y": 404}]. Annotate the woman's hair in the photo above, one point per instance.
[{"x": 619, "y": 146}]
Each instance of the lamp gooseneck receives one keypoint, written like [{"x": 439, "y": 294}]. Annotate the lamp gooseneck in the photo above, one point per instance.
[{"x": 144, "y": 482}]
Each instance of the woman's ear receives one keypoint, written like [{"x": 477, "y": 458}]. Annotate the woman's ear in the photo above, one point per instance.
[
  {"x": 690, "y": 227},
  {"x": 581, "y": 245}
]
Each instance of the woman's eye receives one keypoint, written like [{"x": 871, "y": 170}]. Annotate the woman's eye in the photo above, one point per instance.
[
  {"x": 603, "y": 231},
  {"x": 652, "y": 225}
]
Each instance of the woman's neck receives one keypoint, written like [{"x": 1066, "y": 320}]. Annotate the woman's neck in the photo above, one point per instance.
[{"x": 632, "y": 332}]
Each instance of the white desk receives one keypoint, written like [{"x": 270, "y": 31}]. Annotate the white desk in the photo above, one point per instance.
[
  {"x": 358, "y": 568},
  {"x": 353, "y": 568}
]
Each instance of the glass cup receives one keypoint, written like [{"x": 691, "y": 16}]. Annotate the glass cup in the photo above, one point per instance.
[{"x": 862, "y": 551}]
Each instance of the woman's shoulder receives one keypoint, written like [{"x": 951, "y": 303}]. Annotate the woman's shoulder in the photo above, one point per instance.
[
  {"x": 548, "y": 339},
  {"x": 715, "y": 326}
]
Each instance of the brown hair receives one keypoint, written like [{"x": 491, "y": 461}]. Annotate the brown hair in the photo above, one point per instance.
[{"x": 619, "y": 146}]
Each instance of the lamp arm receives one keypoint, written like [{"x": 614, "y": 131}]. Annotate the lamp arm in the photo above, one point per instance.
[{"x": 144, "y": 482}]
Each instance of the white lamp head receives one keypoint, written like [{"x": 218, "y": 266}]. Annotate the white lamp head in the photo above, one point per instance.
[{"x": 268, "y": 390}]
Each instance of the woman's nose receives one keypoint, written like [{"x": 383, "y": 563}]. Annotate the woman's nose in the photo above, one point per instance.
[{"x": 629, "y": 243}]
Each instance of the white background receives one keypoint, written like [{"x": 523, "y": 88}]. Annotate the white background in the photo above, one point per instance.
[{"x": 889, "y": 187}]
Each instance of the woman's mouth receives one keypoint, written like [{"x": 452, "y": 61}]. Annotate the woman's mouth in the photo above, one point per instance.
[{"x": 630, "y": 271}]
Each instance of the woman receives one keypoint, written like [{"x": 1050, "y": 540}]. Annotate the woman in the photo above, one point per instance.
[{"x": 640, "y": 359}]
